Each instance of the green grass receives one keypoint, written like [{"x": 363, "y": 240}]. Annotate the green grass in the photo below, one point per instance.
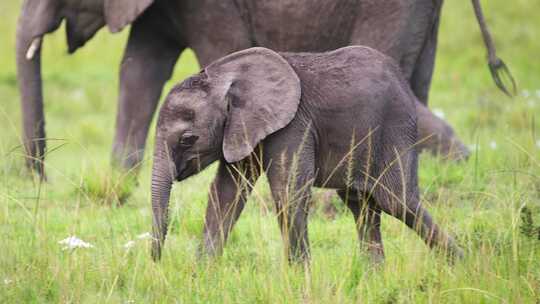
[{"x": 479, "y": 201}]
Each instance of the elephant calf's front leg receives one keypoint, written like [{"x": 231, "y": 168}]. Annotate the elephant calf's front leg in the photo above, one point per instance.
[
  {"x": 226, "y": 200},
  {"x": 292, "y": 213},
  {"x": 292, "y": 195}
]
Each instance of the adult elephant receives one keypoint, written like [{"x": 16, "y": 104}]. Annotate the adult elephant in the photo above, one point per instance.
[{"x": 162, "y": 29}]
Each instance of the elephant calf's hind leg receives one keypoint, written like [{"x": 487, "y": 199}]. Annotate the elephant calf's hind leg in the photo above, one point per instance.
[{"x": 368, "y": 223}]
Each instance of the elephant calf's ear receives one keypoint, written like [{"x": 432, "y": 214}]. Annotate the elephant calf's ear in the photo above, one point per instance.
[
  {"x": 263, "y": 93},
  {"x": 119, "y": 13}
]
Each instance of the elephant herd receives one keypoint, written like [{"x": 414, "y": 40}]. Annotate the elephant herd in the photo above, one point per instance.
[{"x": 405, "y": 31}]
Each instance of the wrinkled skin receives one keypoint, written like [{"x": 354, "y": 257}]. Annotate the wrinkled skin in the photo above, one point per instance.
[
  {"x": 352, "y": 129},
  {"x": 403, "y": 29}
]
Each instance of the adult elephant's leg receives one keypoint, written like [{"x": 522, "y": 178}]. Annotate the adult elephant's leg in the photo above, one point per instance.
[
  {"x": 422, "y": 73},
  {"x": 435, "y": 134},
  {"x": 147, "y": 64}
]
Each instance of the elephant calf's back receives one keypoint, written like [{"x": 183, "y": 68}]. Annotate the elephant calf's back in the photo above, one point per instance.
[
  {"x": 348, "y": 78},
  {"x": 353, "y": 96}
]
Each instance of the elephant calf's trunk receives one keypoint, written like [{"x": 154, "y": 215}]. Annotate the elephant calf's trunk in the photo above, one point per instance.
[{"x": 162, "y": 177}]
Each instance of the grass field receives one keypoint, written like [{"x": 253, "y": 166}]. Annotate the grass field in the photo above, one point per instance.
[{"x": 480, "y": 201}]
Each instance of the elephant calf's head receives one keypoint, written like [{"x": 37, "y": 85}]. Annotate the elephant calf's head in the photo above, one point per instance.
[{"x": 190, "y": 127}]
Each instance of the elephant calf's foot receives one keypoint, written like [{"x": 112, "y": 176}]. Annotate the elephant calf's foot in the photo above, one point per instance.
[
  {"x": 453, "y": 252},
  {"x": 126, "y": 159},
  {"x": 375, "y": 252}
]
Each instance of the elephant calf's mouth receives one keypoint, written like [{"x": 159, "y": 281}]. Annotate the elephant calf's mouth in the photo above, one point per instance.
[
  {"x": 196, "y": 163},
  {"x": 191, "y": 167}
]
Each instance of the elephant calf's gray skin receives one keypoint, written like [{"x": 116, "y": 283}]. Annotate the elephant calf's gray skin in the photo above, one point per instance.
[{"x": 344, "y": 120}]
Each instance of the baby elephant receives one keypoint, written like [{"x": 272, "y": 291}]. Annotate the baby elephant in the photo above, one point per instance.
[{"x": 344, "y": 120}]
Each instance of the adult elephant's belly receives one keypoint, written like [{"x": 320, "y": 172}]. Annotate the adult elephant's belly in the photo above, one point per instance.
[{"x": 300, "y": 25}]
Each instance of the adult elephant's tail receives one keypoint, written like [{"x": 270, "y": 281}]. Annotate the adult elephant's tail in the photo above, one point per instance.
[{"x": 499, "y": 71}]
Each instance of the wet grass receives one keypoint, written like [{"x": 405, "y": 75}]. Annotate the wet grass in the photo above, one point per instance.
[{"x": 491, "y": 202}]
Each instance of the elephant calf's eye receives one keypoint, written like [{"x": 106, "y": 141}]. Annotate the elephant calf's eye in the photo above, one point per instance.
[{"x": 188, "y": 140}]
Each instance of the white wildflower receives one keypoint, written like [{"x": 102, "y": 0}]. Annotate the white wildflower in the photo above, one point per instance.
[
  {"x": 145, "y": 236},
  {"x": 144, "y": 212},
  {"x": 525, "y": 93},
  {"x": 129, "y": 244},
  {"x": 140, "y": 237},
  {"x": 7, "y": 281},
  {"x": 473, "y": 147},
  {"x": 493, "y": 145},
  {"x": 78, "y": 94},
  {"x": 439, "y": 113},
  {"x": 73, "y": 242}
]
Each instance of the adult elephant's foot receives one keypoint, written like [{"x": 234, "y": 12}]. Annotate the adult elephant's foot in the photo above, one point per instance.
[
  {"x": 107, "y": 186},
  {"x": 125, "y": 169},
  {"x": 126, "y": 159},
  {"x": 437, "y": 136},
  {"x": 36, "y": 167}
]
